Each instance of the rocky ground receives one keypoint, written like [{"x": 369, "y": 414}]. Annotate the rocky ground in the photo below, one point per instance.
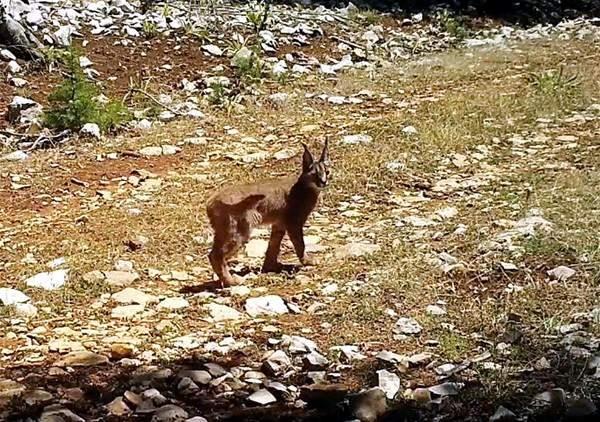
[{"x": 458, "y": 242}]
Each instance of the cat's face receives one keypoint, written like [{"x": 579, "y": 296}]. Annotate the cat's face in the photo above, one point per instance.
[{"x": 316, "y": 172}]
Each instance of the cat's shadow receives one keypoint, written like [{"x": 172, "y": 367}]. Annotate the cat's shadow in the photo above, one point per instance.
[{"x": 214, "y": 286}]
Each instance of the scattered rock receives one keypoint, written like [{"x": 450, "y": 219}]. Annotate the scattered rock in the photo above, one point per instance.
[
  {"x": 407, "y": 326},
  {"x": 262, "y": 397},
  {"x": 130, "y": 295},
  {"x": 502, "y": 414},
  {"x": 266, "y": 305},
  {"x": 169, "y": 413},
  {"x": 354, "y": 250},
  {"x": 10, "y": 296},
  {"x": 90, "y": 129},
  {"x": 118, "y": 407},
  {"x": 561, "y": 273},
  {"x": 221, "y": 313},
  {"x": 126, "y": 311},
  {"x": 357, "y": 139},
  {"x": 173, "y": 303},
  {"x": 81, "y": 358},
  {"x": 389, "y": 383},
  {"x": 15, "y": 156},
  {"x": 120, "y": 278},
  {"x": 48, "y": 281}
]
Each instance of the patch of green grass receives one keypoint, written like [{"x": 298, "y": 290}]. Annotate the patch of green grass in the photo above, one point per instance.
[
  {"x": 454, "y": 346},
  {"x": 149, "y": 29},
  {"x": 454, "y": 25},
  {"x": 74, "y": 102},
  {"x": 365, "y": 16}
]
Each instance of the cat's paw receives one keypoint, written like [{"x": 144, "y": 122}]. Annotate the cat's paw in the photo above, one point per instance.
[{"x": 234, "y": 280}]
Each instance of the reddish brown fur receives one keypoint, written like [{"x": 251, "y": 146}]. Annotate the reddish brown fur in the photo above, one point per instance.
[{"x": 284, "y": 204}]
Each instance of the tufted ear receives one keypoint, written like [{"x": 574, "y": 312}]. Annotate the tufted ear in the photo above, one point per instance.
[
  {"x": 307, "y": 159},
  {"x": 325, "y": 153}
]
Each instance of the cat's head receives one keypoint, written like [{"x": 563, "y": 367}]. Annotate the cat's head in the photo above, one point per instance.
[{"x": 316, "y": 172}]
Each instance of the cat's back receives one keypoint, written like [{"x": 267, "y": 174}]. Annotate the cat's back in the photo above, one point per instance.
[{"x": 271, "y": 189}]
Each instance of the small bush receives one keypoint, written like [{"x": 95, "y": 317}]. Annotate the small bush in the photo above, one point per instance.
[
  {"x": 75, "y": 102},
  {"x": 365, "y": 17},
  {"x": 453, "y": 25},
  {"x": 149, "y": 30},
  {"x": 250, "y": 69},
  {"x": 554, "y": 83}
]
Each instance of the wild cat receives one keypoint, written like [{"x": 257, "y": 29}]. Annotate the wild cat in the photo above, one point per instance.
[{"x": 284, "y": 204}]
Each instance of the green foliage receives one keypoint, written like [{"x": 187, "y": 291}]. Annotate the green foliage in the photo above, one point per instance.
[
  {"x": 453, "y": 25},
  {"x": 54, "y": 57},
  {"x": 555, "y": 83},
  {"x": 250, "y": 69},
  {"x": 75, "y": 102},
  {"x": 149, "y": 29},
  {"x": 218, "y": 94},
  {"x": 365, "y": 17},
  {"x": 258, "y": 15}
]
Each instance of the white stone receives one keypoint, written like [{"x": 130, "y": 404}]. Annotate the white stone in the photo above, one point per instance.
[
  {"x": 213, "y": 50},
  {"x": 561, "y": 273},
  {"x": 409, "y": 130},
  {"x": 130, "y": 295},
  {"x": 49, "y": 281},
  {"x": 357, "y": 139},
  {"x": 91, "y": 129},
  {"x": 389, "y": 383},
  {"x": 10, "y": 296},
  {"x": 25, "y": 310},
  {"x": 256, "y": 248},
  {"x": 356, "y": 249},
  {"x": 262, "y": 397},
  {"x": 170, "y": 149},
  {"x": 14, "y": 67},
  {"x": 173, "y": 303},
  {"x": 223, "y": 313},
  {"x": 15, "y": 156},
  {"x": 7, "y": 55},
  {"x": 84, "y": 62},
  {"x": 126, "y": 311},
  {"x": 408, "y": 326},
  {"x": 266, "y": 305},
  {"x": 151, "y": 151},
  {"x": 435, "y": 310},
  {"x": 63, "y": 35}
]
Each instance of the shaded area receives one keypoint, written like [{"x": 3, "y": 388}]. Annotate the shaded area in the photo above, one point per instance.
[
  {"x": 521, "y": 11},
  {"x": 86, "y": 390}
]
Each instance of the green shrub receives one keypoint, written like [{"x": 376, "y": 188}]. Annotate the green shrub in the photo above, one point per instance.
[{"x": 75, "y": 102}]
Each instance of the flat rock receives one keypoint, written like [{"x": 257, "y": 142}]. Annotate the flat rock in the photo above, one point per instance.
[
  {"x": 355, "y": 249},
  {"x": 48, "y": 281},
  {"x": 389, "y": 383},
  {"x": 314, "y": 361},
  {"x": 118, "y": 407},
  {"x": 10, "y": 296},
  {"x": 407, "y": 326},
  {"x": 502, "y": 414},
  {"x": 37, "y": 397},
  {"x": 120, "y": 278},
  {"x": 58, "y": 413},
  {"x": 223, "y": 313},
  {"x": 151, "y": 151},
  {"x": 126, "y": 311},
  {"x": 256, "y": 248},
  {"x": 561, "y": 273},
  {"x": 266, "y": 305},
  {"x": 198, "y": 376},
  {"x": 10, "y": 388},
  {"x": 173, "y": 303},
  {"x": 169, "y": 413},
  {"x": 15, "y": 156},
  {"x": 130, "y": 295},
  {"x": 357, "y": 139},
  {"x": 262, "y": 397},
  {"x": 435, "y": 310},
  {"x": 81, "y": 358}
]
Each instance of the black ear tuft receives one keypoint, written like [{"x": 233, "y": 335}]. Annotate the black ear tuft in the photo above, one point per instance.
[
  {"x": 325, "y": 153},
  {"x": 307, "y": 159}
]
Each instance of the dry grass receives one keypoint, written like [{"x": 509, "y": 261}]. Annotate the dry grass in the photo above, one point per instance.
[{"x": 456, "y": 105}]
